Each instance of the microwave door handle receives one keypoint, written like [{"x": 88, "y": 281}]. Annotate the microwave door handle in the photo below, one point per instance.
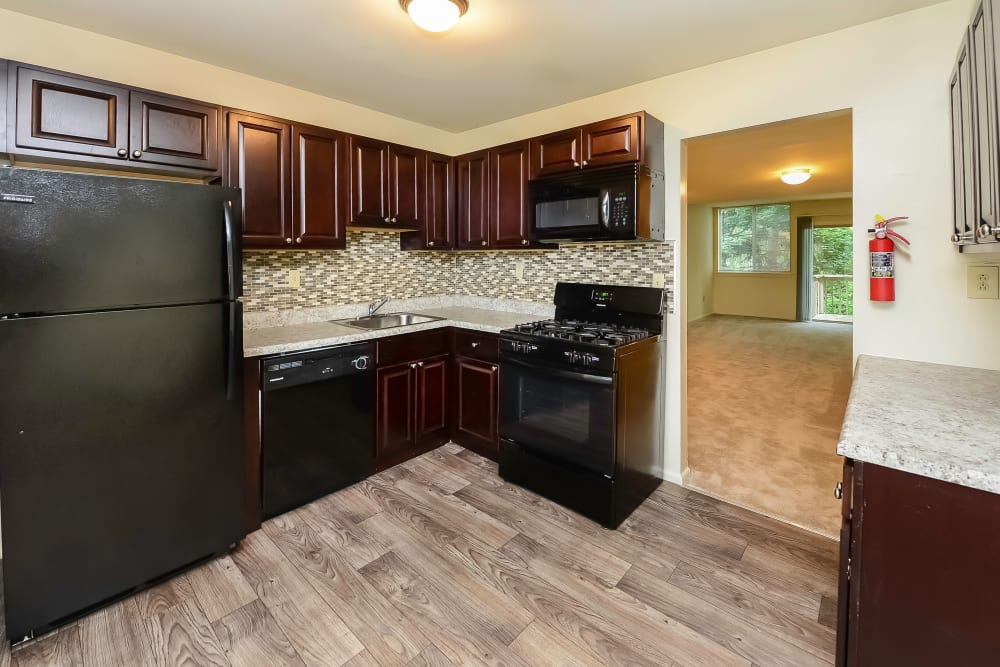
[{"x": 605, "y": 208}]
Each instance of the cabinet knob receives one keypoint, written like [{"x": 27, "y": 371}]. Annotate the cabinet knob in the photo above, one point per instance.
[
  {"x": 413, "y": 365},
  {"x": 585, "y": 163},
  {"x": 483, "y": 244},
  {"x": 394, "y": 220},
  {"x": 838, "y": 491},
  {"x": 122, "y": 152},
  {"x": 288, "y": 240},
  {"x": 385, "y": 219},
  {"x": 985, "y": 230},
  {"x": 575, "y": 163},
  {"x": 420, "y": 363},
  {"x": 475, "y": 344},
  {"x": 524, "y": 241},
  {"x": 137, "y": 154},
  {"x": 298, "y": 240},
  {"x": 430, "y": 244},
  {"x": 494, "y": 368}
]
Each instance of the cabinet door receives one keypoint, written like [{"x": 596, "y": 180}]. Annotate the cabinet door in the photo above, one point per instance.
[
  {"x": 557, "y": 152},
  {"x": 963, "y": 147},
  {"x": 846, "y": 489},
  {"x": 319, "y": 185},
  {"x": 406, "y": 186},
  {"x": 369, "y": 182},
  {"x": 981, "y": 54},
  {"x": 476, "y": 386},
  {"x": 259, "y": 163},
  {"x": 174, "y": 131},
  {"x": 67, "y": 114},
  {"x": 439, "y": 216},
  {"x": 509, "y": 210},
  {"x": 396, "y": 406},
  {"x": 615, "y": 141},
  {"x": 432, "y": 398},
  {"x": 472, "y": 198}
]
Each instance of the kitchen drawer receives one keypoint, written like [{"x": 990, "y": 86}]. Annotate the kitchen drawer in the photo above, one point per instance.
[
  {"x": 477, "y": 345},
  {"x": 410, "y": 347}
]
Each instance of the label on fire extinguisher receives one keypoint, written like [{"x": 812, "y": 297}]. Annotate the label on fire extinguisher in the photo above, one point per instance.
[{"x": 882, "y": 264}]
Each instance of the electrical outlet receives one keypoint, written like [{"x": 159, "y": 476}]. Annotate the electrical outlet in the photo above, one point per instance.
[
  {"x": 659, "y": 280},
  {"x": 294, "y": 279},
  {"x": 984, "y": 282},
  {"x": 519, "y": 270}
]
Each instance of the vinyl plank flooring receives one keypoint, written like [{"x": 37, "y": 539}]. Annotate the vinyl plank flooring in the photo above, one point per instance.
[
  {"x": 431, "y": 656},
  {"x": 541, "y": 646},
  {"x": 250, "y": 637},
  {"x": 319, "y": 635},
  {"x": 160, "y": 598},
  {"x": 364, "y": 659},
  {"x": 374, "y": 621},
  {"x": 810, "y": 577},
  {"x": 182, "y": 635},
  {"x": 827, "y": 614},
  {"x": 220, "y": 587},
  {"x": 61, "y": 648},
  {"x": 447, "y": 481},
  {"x": 115, "y": 636},
  {"x": 352, "y": 541}
]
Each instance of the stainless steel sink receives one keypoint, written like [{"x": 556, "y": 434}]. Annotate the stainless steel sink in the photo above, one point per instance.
[{"x": 387, "y": 321}]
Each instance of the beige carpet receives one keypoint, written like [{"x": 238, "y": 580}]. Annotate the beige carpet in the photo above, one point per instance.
[{"x": 766, "y": 399}]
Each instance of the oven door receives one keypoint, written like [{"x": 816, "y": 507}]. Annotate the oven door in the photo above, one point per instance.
[{"x": 559, "y": 413}]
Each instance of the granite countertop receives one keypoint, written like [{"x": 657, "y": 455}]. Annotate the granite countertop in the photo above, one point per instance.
[
  {"x": 289, "y": 334},
  {"x": 932, "y": 420}
]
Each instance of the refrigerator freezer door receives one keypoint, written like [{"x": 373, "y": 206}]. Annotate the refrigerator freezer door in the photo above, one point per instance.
[
  {"x": 120, "y": 455},
  {"x": 81, "y": 242}
]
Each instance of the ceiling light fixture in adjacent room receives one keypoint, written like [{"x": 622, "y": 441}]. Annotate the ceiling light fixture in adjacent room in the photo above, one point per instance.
[
  {"x": 435, "y": 15},
  {"x": 796, "y": 176}
]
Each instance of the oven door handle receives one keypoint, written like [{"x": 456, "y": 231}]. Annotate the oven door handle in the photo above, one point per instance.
[{"x": 555, "y": 372}]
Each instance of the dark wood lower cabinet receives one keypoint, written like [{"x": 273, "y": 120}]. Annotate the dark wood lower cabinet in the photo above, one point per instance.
[
  {"x": 477, "y": 384},
  {"x": 395, "y": 434},
  {"x": 922, "y": 571}
]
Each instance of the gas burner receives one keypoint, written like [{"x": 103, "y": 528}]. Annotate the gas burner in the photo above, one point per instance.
[{"x": 580, "y": 331}]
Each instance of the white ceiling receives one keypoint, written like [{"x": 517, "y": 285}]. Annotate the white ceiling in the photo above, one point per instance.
[
  {"x": 505, "y": 58},
  {"x": 745, "y": 165}
]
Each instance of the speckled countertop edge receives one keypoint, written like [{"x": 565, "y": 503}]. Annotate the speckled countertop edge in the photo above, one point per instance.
[{"x": 938, "y": 421}]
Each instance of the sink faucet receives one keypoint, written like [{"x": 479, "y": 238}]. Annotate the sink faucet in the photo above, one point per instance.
[{"x": 374, "y": 306}]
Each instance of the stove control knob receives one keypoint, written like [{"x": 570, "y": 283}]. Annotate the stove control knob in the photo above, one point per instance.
[
  {"x": 590, "y": 359},
  {"x": 571, "y": 356}
]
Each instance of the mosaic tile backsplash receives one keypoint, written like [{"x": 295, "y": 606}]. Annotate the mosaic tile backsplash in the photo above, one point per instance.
[{"x": 373, "y": 266}]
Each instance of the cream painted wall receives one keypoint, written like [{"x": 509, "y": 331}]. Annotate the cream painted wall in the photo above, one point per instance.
[
  {"x": 701, "y": 261},
  {"x": 892, "y": 73},
  {"x": 58, "y": 46},
  {"x": 773, "y": 294}
]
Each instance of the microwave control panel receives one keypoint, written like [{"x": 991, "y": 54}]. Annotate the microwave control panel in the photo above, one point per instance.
[{"x": 618, "y": 209}]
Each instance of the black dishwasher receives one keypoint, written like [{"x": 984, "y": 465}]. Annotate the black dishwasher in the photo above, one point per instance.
[{"x": 317, "y": 424}]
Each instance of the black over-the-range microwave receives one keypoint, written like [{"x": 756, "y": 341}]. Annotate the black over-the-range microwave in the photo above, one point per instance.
[{"x": 623, "y": 203}]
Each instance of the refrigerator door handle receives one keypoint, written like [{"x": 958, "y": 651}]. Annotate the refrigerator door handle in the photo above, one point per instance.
[
  {"x": 227, "y": 208},
  {"x": 234, "y": 348}
]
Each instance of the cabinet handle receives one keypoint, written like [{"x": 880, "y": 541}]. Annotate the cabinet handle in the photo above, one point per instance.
[
  {"x": 576, "y": 164},
  {"x": 288, "y": 241},
  {"x": 475, "y": 345},
  {"x": 986, "y": 230},
  {"x": 122, "y": 152},
  {"x": 137, "y": 154},
  {"x": 298, "y": 240},
  {"x": 494, "y": 368},
  {"x": 585, "y": 163},
  {"x": 430, "y": 244},
  {"x": 524, "y": 241},
  {"x": 838, "y": 491},
  {"x": 394, "y": 220},
  {"x": 413, "y": 365},
  {"x": 483, "y": 244}
]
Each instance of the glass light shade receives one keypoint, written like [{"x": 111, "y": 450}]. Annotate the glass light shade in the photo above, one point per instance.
[
  {"x": 435, "y": 15},
  {"x": 796, "y": 176}
]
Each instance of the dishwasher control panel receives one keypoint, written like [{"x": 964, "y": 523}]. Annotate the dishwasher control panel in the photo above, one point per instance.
[{"x": 289, "y": 370}]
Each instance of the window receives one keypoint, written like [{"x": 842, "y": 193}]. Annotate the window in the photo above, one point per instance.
[{"x": 755, "y": 239}]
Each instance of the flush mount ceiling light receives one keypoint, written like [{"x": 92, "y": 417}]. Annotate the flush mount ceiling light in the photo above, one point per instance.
[
  {"x": 435, "y": 15},
  {"x": 796, "y": 176}
]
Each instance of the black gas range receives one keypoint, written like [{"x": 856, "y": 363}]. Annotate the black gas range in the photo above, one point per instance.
[{"x": 580, "y": 400}]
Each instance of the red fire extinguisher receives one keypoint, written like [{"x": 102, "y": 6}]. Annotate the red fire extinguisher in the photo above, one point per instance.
[{"x": 883, "y": 261}]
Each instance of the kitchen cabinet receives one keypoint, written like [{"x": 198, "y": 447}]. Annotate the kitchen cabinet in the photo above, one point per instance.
[
  {"x": 975, "y": 128},
  {"x": 412, "y": 406},
  {"x": 259, "y": 164},
  {"x": 472, "y": 200},
  {"x": 438, "y": 228},
  {"x": 509, "y": 210},
  {"x": 387, "y": 185},
  {"x": 918, "y": 571},
  {"x": 633, "y": 138},
  {"x": 61, "y": 117},
  {"x": 477, "y": 388},
  {"x": 320, "y": 181}
]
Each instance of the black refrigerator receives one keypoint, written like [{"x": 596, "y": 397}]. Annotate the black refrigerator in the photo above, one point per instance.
[{"x": 120, "y": 387}]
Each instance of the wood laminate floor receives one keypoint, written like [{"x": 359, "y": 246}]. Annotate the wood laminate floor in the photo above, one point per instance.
[{"x": 439, "y": 562}]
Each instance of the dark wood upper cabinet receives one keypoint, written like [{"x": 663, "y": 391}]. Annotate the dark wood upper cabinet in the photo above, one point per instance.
[
  {"x": 438, "y": 228},
  {"x": 614, "y": 141},
  {"x": 259, "y": 163},
  {"x": 397, "y": 404},
  {"x": 66, "y": 114},
  {"x": 472, "y": 200},
  {"x": 432, "y": 398},
  {"x": 509, "y": 211},
  {"x": 171, "y": 131},
  {"x": 320, "y": 182},
  {"x": 406, "y": 186},
  {"x": 557, "y": 152},
  {"x": 369, "y": 182},
  {"x": 477, "y": 386}
]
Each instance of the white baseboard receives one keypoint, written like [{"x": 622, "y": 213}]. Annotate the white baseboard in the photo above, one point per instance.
[{"x": 674, "y": 478}]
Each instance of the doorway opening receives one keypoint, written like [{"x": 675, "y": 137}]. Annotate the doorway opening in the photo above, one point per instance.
[{"x": 770, "y": 304}]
